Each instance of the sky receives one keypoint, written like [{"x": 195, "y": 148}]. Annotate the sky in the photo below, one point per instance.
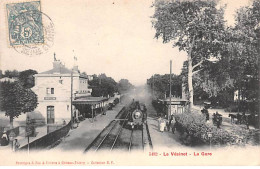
[{"x": 114, "y": 37}]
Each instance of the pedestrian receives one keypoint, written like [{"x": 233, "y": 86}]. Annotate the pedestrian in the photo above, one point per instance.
[
  {"x": 16, "y": 145},
  {"x": 218, "y": 119},
  {"x": 159, "y": 121},
  {"x": 77, "y": 121},
  {"x": 247, "y": 122},
  {"x": 243, "y": 118},
  {"x": 64, "y": 122},
  {"x": 162, "y": 125},
  {"x": 173, "y": 123},
  {"x": 4, "y": 139}
]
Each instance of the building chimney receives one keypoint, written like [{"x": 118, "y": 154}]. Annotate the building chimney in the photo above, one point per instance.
[
  {"x": 57, "y": 64},
  {"x": 75, "y": 65}
]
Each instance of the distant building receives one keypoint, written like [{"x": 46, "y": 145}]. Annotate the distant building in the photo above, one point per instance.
[
  {"x": 7, "y": 79},
  {"x": 178, "y": 105},
  {"x": 53, "y": 88}
]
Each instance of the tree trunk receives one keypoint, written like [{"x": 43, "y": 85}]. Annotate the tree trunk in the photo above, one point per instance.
[
  {"x": 190, "y": 74},
  {"x": 190, "y": 80},
  {"x": 11, "y": 122}
]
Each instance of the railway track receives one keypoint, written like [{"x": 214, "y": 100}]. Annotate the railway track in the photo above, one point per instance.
[{"x": 116, "y": 136}]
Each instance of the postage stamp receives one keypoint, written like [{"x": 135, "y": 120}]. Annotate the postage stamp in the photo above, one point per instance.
[
  {"x": 31, "y": 32},
  {"x": 25, "y": 23}
]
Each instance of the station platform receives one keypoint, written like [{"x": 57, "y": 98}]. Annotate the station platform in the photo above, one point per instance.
[{"x": 80, "y": 138}]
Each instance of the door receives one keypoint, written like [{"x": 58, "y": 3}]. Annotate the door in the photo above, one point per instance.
[{"x": 50, "y": 114}]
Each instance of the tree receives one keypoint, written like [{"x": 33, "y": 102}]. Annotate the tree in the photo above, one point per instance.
[
  {"x": 193, "y": 26},
  {"x": 1, "y": 73},
  {"x": 103, "y": 86},
  {"x": 161, "y": 85},
  {"x": 11, "y": 73},
  {"x": 124, "y": 85},
  {"x": 84, "y": 73},
  {"x": 15, "y": 100},
  {"x": 26, "y": 78},
  {"x": 244, "y": 50}
]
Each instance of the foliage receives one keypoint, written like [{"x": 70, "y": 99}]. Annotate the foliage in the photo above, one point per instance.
[
  {"x": 193, "y": 26},
  {"x": 244, "y": 51},
  {"x": 237, "y": 68},
  {"x": 11, "y": 73},
  {"x": 124, "y": 85},
  {"x": 196, "y": 130},
  {"x": 103, "y": 86},
  {"x": 161, "y": 85},
  {"x": 26, "y": 78},
  {"x": 15, "y": 99}
]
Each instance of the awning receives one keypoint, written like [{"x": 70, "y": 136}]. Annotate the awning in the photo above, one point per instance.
[
  {"x": 174, "y": 101},
  {"x": 89, "y": 100}
]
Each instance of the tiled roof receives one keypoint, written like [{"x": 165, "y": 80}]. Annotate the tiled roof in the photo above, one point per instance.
[{"x": 61, "y": 70}]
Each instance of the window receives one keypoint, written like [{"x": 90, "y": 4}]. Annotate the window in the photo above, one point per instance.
[
  {"x": 52, "y": 90},
  {"x": 60, "y": 81},
  {"x": 47, "y": 90},
  {"x": 68, "y": 106}
]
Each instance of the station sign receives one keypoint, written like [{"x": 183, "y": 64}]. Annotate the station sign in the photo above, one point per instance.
[{"x": 49, "y": 98}]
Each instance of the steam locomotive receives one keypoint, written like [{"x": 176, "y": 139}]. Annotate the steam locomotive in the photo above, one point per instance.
[{"x": 138, "y": 116}]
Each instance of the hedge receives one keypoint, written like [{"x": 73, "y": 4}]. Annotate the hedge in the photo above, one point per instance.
[{"x": 194, "y": 130}]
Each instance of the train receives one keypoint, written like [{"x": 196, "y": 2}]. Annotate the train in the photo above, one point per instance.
[{"x": 138, "y": 115}]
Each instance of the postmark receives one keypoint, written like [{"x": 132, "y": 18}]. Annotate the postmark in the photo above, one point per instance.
[{"x": 31, "y": 32}]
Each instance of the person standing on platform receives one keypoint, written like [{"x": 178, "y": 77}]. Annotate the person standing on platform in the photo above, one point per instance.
[
  {"x": 16, "y": 145},
  {"x": 173, "y": 123}
]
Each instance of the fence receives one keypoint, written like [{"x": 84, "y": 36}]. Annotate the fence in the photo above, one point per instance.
[{"x": 48, "y": 139}]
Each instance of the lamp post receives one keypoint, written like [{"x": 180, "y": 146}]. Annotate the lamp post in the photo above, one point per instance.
[
  {"x": 71, "y": 98},
  {"x": 153, "y": 87}
]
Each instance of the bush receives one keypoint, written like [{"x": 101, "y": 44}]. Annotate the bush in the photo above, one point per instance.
[{"x": 194, "y": 131}]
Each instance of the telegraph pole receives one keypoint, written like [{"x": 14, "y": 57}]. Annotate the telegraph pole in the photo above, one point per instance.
[
  {"x": 169, "y": 113},
  {"x": 153, "y": 87},
  {"x": 71, "y": 97},
  {"x": 71, "y": 94}
]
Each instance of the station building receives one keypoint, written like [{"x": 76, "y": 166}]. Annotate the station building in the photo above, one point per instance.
[
  {"x": 53, "y": 88},
  {"x": 178, "y": 105}
]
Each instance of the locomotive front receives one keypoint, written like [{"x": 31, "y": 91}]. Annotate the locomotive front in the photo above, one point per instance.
[{"x": 138, "y": 116}]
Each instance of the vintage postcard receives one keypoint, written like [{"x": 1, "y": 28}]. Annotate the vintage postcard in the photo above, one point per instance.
[{"x": 129, "y": 82}]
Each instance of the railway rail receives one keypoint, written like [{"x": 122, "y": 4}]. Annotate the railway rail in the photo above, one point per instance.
[{"x": 116, "y": 136}]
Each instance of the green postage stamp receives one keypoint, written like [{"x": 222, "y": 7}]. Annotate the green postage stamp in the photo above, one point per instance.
[
  {"x": 25, "y": 23},
  {"x": 31, "y": 32}
]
